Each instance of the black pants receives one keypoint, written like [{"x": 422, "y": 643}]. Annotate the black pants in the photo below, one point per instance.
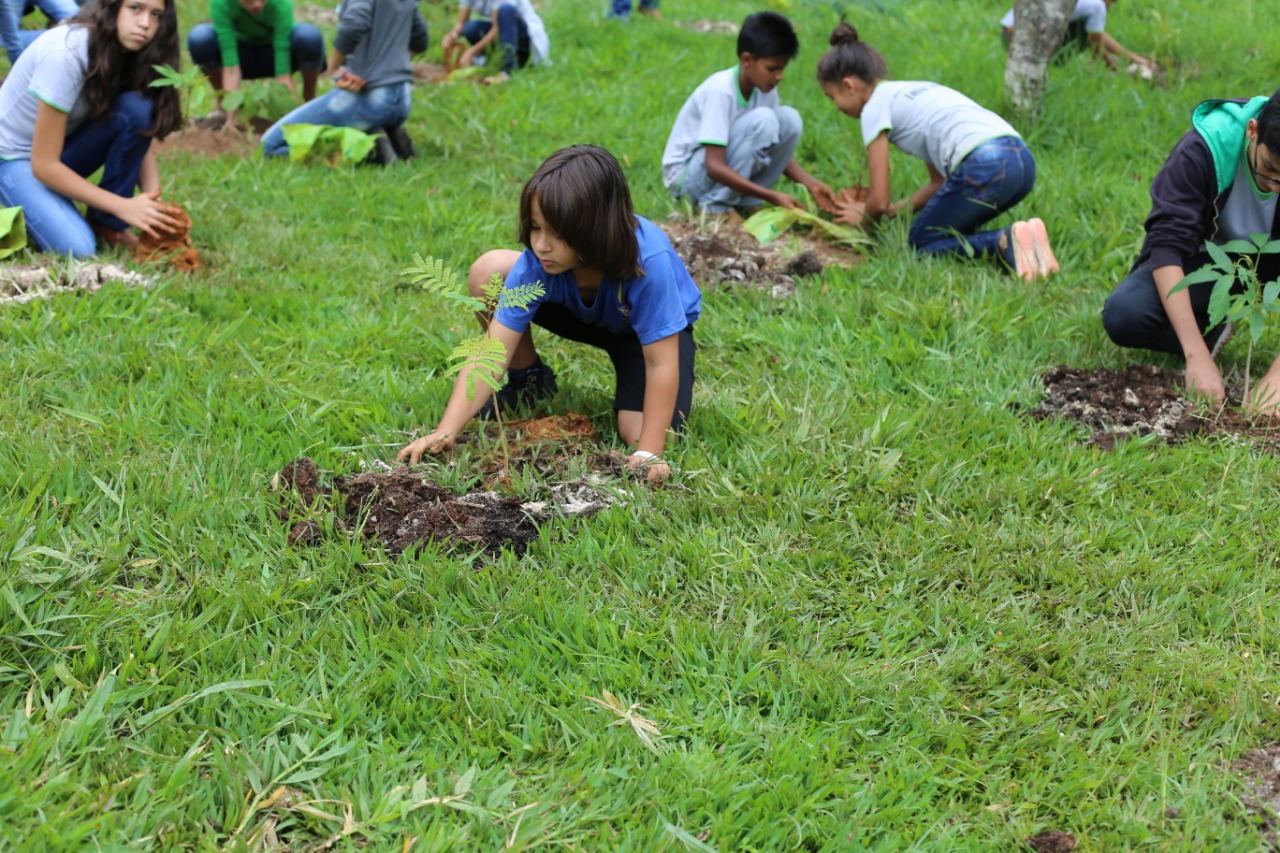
[
  {"x": 627, "y": 356},
  {"x": 1134, "y": 314}
]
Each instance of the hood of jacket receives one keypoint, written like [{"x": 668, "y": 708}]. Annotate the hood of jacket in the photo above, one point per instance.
[{"x": 1221, "y": 124}]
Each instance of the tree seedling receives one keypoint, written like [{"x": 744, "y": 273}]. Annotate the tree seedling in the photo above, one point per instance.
[
  {"x": 265, "y": 99},
  {"x": 186, "y": 82},
  {"x": 1238, "y": 295},
  {"x": 482, "y": 358}
]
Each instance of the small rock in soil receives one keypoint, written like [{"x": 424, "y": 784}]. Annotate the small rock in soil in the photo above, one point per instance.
[
  {"x": 1053, "y": 841},
  {"x": 805, "y": 263}
]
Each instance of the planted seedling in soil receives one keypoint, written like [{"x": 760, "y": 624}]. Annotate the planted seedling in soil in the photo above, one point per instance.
[
  {"x": 259, "y": 103},
  {"x": 1239, "y": 296},
  {"x": 482, "y": 358}
]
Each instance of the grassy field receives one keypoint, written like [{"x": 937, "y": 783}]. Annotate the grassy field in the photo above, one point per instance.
[{"x": 891, "y": 612}]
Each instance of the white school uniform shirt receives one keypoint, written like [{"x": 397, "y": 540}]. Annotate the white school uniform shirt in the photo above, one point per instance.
[
  {"x": 930, "y": 121},
  {"x": 52, "y": 70},
  {"x": 705, "y": 119}
]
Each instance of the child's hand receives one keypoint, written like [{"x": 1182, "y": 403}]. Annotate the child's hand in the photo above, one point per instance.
[
  {"x": 823, "y": 196},
  {"x": 789, "y": 202},
  {"x": 851, "y": 213},
  {"x": 655, "y": 470},
  {"x": 348, "y": 80},
  {"x": 468, "y": 57},
  {"x": 436, "y": 442}
]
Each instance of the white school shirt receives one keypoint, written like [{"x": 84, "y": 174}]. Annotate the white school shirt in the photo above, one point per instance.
[
  {"x": 705, "y": 119},
  {"x": 930, "y": 121},
  {"x": 52, "y": 70}
]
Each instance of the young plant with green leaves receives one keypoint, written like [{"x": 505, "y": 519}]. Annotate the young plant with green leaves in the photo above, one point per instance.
[
  {"x": 186, "y": 82},
  {"x": 263, "y": 99},
  {"x": 482, "y": 358},
  {"x": 1239, "y": 296}
]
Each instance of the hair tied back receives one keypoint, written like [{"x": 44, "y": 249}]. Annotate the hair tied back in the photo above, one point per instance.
[{"x": 844, "y": 33}]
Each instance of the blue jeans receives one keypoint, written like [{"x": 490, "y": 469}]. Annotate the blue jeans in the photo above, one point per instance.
[
  {"x": 512, "y": 32},
  {"x": 622, "y": 8},
  {"x": 116, "y": 146},
  {"x": 306, "y": 51},
  {"x": 761, "y": 142},
  {"x": 374, "y": 106},
  {"x": 13, "y": 38},
  {"x": 991, "y": 179}
]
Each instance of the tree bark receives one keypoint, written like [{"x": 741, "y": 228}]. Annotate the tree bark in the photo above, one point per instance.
[{"x": 1039, "y": 27}]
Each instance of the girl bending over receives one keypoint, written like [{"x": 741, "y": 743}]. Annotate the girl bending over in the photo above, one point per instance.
[
  {"x": 979, "y": 167},
  {"x": 79, "y": 100},
  {"x": 612, "y": 281}
]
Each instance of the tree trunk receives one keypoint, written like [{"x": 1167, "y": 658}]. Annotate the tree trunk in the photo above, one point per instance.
[{"x": 1039, "y": 26}]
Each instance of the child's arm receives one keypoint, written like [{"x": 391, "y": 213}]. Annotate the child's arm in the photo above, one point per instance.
[
  {"x": 460, "y": 410},
  {"x": 720, "y": 172},
  {"x": 661, "y": 384},
  {"x": 144, "y": 211},
  {"x": 821, "y": 193},
  {"x": 878, "y": 202},
  {"x": 1105, "y": 47},
  {"x": 920, "y": 197},
  {"x": 464, "y": 15}
]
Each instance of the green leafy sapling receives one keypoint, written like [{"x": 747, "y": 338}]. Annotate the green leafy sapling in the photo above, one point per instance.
[
  {"x": 1238, "y": 295},
  {"x": 482, "y": 358},
  {"x": 266, "y": 99},
  {"x": 186, "y": 82}
]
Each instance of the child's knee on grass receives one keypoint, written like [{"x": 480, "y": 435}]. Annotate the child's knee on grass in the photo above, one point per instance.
[
  {"x": 491, "y": 263},
  {"x": 629, "y": 424}
]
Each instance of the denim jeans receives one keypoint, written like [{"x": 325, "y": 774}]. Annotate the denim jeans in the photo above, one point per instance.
[
  {"x": 373, "y": 106},
  {"x": 306, "y": 51},
  {"x": 512, "y": 32},
  {"x": 1134, "y": 314},
  {"x": 13, "y": 38},
  {"x": 761, "y": 142},
  {"x": 991, "y": 179},
  {"x": 116, "y": 146},
  {"x": 622, "y": 8}
]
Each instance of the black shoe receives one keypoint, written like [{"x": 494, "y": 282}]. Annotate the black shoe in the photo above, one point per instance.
[
  {"x": 401, "y": 143},
  {"x": 524, "y": 387},
  {"x": 383, "y": 154}
]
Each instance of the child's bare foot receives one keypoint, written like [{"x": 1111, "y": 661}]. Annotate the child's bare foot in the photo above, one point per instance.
[
  {"x": 1024, "y": 251},
  {"x": 1044, "y": 253}
]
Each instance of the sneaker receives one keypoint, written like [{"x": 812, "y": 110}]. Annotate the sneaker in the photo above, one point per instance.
[
  {"x": 1044, "y": 253},
  {"x": 524, "y": 387},
  {"x": 401, "y": 142},
  {"x": 383, "y": 153}
]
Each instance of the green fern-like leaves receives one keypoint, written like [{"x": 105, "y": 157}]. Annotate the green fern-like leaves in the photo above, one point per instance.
[
  {"x": 484, "y": 358},
  {"x": 521, "y": 296},
  {"x": 434, "y": 277}
]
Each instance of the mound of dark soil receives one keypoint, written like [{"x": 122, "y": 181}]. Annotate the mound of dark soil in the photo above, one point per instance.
[
  {"x": 213, "y": 140},
  {"x": 1143, "y": 400},
  {"x": 1052, "y": 841},
  {"x": 403, "y": 509},
  {"x": 721, "y": 254},
  {"x": 1261, "y": 795}
]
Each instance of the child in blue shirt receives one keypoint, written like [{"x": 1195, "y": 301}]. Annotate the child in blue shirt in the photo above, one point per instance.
[{"x": 611, "y": 280}]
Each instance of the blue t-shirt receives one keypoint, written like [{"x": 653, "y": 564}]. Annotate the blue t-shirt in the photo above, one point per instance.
[{"x": 654, "y": 306}]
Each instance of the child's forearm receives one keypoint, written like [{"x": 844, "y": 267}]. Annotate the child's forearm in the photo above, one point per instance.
[{"x": 662, "y": 384}]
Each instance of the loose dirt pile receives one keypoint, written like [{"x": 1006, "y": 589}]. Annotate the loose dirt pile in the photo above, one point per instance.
[
  {"x": 429, "y": 72},
  {"x": 1053, "y": 841},
  {"x": 205, "y": 138},
  {"x": 1261, "y": 795},
  {"x": 403, "y": 509},
  {"x": 720, "y": 254},
  {"x": 25, "y": 283},
  {"x": 1143, "y": 400},
  {"x": 171, "y": 247}
]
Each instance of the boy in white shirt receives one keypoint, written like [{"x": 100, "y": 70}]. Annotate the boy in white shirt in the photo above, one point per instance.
[{"x": 733, "y": 139}]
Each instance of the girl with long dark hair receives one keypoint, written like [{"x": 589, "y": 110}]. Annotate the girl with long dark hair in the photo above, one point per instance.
[{"x": 79, "y": 99}]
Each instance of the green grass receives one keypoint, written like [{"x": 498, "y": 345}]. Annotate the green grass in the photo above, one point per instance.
[{"x": 892, "y": 613}]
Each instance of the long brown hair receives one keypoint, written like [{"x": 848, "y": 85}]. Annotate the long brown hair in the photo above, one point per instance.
[
  {"x": 584, "y": 199},
  {"x": 114, "y": 70}
]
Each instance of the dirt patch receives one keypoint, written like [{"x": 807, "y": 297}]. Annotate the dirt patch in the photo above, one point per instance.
[
  {"x": 720, "y": 254},
  {"x": 317, "y": 14},
  {"x": 172, "y": 247},
  {"x": 210, "y": 141},
  {"x": 429, "y": 72},
  {"x": 25, "y": 283},
  {"x": 703, "y": 25},
  {"x": 403, "y": 509},
  {"x": 1261, "y": 794},
  {"x": 1052, "y": 841},
  {"x": 1143, "y": 400}
]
